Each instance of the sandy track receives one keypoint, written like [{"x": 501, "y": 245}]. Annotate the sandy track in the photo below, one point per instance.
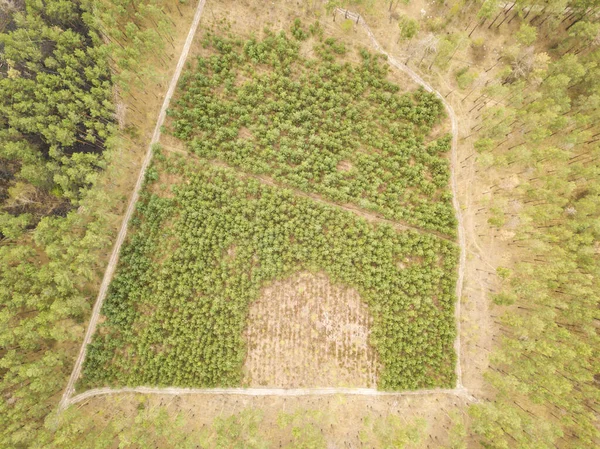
[
  {"x": 367, "y": 215},
  {"x": 459, "y": 391},
  {"x": 114, "y": 258}
]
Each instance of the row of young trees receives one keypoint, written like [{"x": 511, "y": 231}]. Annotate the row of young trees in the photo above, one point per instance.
[
  {"x": 177, "y": 308},
  {"x": 152, "y": 424},
  {"x": 320, "y": 125},
  {"x": 57, "y": 132}
]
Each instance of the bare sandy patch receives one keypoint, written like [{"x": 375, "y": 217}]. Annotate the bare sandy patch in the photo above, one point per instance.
[
  {"x": 344, "y": 166},
  {"x": 306, "y": 331}
]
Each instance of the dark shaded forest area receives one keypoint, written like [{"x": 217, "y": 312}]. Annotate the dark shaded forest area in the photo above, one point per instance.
[
  {"x": 56, "y": 110},
  {"x": 60, "y": 71}
]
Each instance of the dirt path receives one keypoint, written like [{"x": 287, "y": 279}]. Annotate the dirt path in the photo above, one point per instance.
[
  {"x": 357, "y": 18},
  {"x": 114, "y": 258},
  {"x": 367, "y": 215},
  {"x": 460, "y": 391}
]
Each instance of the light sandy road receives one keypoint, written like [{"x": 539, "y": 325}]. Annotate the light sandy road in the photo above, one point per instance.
[
  {"x": 459, "y": 390},
  {"x": 114, "y": 258},
  {"x": 453, "y": 178}
]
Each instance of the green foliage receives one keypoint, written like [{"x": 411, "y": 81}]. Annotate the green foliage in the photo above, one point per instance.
[
  {"x": 320, "y": 115},
  {"x": 316, "y": 30},
  {"x": 44, "y": 293},
  {"x": 497, "y": 218},
  {"x": 145, "y": 427},
  {"x": 477, "y": 43},
  {"x": 305, "y": 427},
  {"x": 55, "y": 98},
  {"x": 347, "y": 25},
  {"x": 488, "y": 9},
  {"x": 178, "y": 297},
  {"x": 389, "y": 432},
  {"x": 526, "y": 34},
  {"x": 240, "y": 431},
  {"x": 13, "y": 227},
  {"x": 298, "y": 32},
  {"x": 504, "y": 299},
  {"x": 503, "y": 273},
  {"x": 464, "y": 77},
  {"x": 434, "y": 24},
  {"x": 458, "y": 432},
  {"x": 408, "y": 27},
  {"x": 483, "y": 145}
]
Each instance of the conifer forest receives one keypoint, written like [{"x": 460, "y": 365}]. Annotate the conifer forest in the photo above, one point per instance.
[{"x": 299, "y": 224}]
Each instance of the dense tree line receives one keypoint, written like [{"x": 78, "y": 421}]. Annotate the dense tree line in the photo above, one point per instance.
[
  {"x": 56, "y": 111},
  {"x": 320, "y": 125},
  {"x": 56, "y": 105},
  {"x": 59, "y": 64},
  {"x": 177, "y": 308}
]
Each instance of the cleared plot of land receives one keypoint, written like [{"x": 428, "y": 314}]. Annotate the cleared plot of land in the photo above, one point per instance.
[
  {"x": 308, "y": 332},
  {"x": 207, "y": 239}
]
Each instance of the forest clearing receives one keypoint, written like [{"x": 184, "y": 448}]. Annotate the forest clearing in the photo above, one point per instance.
[
  {"x": 186, "y": 329},
  {"x": 307, "y": 332},
  {"x": 351, "y": 223}
]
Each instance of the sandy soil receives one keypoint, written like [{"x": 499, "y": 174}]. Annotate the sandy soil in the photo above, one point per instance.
[
  {"x": 339, "y": 418},
  {"x": 307, "y": 332}
]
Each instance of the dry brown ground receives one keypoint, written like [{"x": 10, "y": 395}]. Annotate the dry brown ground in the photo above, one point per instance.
[
  {"x": 307, "y": 332},
  {"x": 338, "y": 418}
]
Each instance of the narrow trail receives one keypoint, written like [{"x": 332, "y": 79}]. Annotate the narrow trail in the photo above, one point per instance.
[
  {"x": 114, "y": 258},
  {"x": 357, "y": 18},
  {"x": 367, "y": 215},
  {"x": 459, "y": 390}
]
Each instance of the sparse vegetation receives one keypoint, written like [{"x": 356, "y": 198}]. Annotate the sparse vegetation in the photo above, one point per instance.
[{"x": 306, "y": 331}]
